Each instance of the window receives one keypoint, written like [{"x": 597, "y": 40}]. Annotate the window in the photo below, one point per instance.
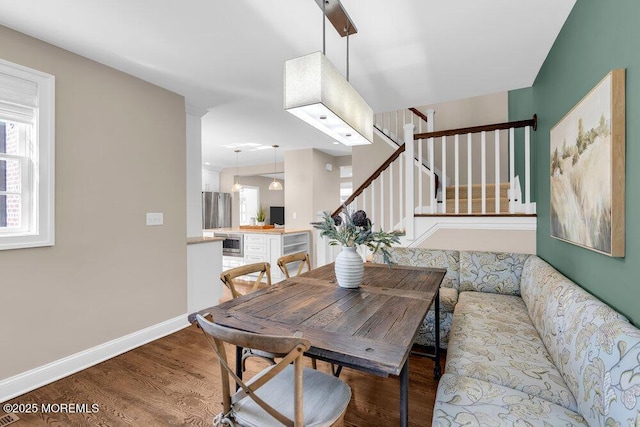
[
  {"x": 26, "y": 157},
  {"x": 346, "y": 183},
  {"x": 248, "y": 204}
]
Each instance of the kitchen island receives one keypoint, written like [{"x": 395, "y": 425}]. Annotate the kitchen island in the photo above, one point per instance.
[
  {"x": 211, "y": 231},
  {"x": 250, "y": 245}
]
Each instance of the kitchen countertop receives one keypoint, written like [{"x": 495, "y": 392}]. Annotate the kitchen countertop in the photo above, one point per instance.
[
  {"x": 260, "y": 231},
  {"x": 196, "y": 240}
]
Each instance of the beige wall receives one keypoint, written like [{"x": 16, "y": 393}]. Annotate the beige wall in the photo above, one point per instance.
[
  {"x": 120, "y": 152},
  {"x": 267, "y": 197},
  {"x": 479, "y": 110},
  {"x": 310, "y": 188},
  {"x": 298, "y": 195},
  {"x": 521, "y": 241},
  {"x": 365, "y": 159},
  {"x": 449, "y": 115},
  {"x": 476, "y": 111},
  {"x": 248, "y": 177},
  {"x": 326, "y": 184}
]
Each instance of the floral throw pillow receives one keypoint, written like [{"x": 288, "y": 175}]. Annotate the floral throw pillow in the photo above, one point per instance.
[{"x": 495, "y": 272}]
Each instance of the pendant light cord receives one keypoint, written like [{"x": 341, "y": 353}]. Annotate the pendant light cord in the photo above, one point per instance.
[
  {"x": 347, "y": 30},
  {"x": 324, "y": 39},
  {"x": 237, "y": 167}
]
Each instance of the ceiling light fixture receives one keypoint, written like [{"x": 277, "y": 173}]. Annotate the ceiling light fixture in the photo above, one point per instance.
[
  {"x": 316, "y": 92},
  {"x": 237, "y": 186},
  {"x": 275, "y": 185}
]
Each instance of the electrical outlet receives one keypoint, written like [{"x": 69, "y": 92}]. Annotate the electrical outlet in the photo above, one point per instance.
[
  {"x": 295, "y": 215},
  {"x": 155, "y": 218}
]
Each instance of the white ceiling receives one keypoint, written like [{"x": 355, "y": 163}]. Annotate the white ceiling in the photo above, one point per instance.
[{"x": 227, "y": 55}]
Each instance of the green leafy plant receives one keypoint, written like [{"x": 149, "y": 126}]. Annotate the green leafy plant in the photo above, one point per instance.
[
  {"x": 261, "y": 214},
  {"x": 352, "y": 229}
]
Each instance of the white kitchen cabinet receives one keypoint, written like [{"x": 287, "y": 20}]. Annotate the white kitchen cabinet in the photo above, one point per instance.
[{"x": 261, "y": 247}]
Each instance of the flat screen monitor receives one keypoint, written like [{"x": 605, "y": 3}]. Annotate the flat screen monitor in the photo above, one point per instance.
[{"x": 276, "y": 215}]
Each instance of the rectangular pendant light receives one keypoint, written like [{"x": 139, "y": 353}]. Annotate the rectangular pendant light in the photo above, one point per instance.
[{"x": 316, "y": 92}]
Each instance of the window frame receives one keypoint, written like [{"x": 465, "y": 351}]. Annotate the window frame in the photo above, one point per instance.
[{"x": 38, "y": 224}]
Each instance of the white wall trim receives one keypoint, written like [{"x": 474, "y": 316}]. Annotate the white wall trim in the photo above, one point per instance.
[
  {"x": 428, "y": 226},
  {"x": 34, "y": 378}
]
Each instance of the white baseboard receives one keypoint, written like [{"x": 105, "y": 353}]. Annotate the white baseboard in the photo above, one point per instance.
[{"x": 34, "y": 378}]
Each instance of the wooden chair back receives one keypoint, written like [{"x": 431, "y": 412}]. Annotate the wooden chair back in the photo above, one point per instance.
[
  {"x": 301, "y": 257},
  {"x": 263, "y": 268},
  {"x": 292, "y": 348}
]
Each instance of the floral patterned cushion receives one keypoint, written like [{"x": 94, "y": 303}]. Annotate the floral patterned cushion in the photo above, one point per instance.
[
  {"x": 426, "y": 334},
  {"x": 492, "y": 339},
  {"x": 420, "y": 257},
  {"x": 448, "y": 299},
  {"x": 495, "y": 272},
  {"x": 436, "y": 258},
  {"x": 595, "y": 348},
  {"x": 464, "y": 401}
]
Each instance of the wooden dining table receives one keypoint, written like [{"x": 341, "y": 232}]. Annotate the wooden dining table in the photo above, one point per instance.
[{"x": 371, "y": 328}]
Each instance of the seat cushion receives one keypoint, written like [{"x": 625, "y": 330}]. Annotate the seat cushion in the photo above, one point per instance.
[
  {"x": 492, "y": 339},
  {"x": 464, "y": 401},
  {"x": 596, "y": 349},
  {"x": 448, "y": 299},
  {"x": 426, "y": 335},
  {"x": 325, "y": 398},
  {"x": 496, "y": 272}
]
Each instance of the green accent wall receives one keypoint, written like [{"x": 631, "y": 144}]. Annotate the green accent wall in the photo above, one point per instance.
[{"x": 599, "y": 36}]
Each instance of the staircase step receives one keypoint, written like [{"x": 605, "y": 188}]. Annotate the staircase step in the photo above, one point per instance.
[
  {"x": 476, "y": 191},
  {"x": 476, "y": 206}
]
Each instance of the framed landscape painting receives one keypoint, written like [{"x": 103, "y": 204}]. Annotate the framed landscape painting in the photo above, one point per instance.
[{"x": 587, "y": 170}]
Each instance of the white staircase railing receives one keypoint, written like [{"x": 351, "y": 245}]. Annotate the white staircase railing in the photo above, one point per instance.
[
  {"x": 484, "y": 169},
  {"x": 454, "y": 172}
]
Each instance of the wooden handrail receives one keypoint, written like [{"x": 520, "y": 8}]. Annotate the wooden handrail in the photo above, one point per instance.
[
  {"x": 533, "y": 122},
  {"x": 497, "y": 126},
  {"x": 373, "y": 176},
  {"x": 419, "y": 114}
]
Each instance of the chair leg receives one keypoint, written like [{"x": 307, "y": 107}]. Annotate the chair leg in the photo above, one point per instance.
[
  {"x": 314, "y": 365},
  {"x": 336, "y": 370}
]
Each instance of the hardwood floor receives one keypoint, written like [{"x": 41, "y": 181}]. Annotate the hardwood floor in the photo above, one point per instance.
[{"x": 174, "y": 381}]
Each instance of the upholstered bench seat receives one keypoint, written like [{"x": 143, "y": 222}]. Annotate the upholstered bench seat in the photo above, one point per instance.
[
  {"x": 498, "y": 343},
  {"x": 526, "y": 345},
  {"x": 466, "y": 401},
  {"x": 533, "y": 348}
]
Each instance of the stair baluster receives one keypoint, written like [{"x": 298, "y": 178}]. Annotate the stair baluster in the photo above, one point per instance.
[
  {"x": 496, "y": 193},
  {"x": 442, "y": 194}
]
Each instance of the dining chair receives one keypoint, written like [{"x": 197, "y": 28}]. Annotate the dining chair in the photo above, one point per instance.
[
  {"x": 301, "y": 257},
  {"x": 304, "y": 259},
  {"x": 266, "y": 399},
  {"x": 263, "y": 269}
]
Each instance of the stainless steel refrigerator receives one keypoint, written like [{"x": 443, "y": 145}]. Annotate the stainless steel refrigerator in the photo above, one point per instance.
[{"x": 216, "y": 210}]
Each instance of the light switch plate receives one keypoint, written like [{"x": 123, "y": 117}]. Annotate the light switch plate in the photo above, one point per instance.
[{"x": 155, "y": 218}]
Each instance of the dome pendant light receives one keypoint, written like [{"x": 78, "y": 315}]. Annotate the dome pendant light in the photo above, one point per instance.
[
  {"x": 275, "y": 185},
  {"x": 237, "y": 186}
]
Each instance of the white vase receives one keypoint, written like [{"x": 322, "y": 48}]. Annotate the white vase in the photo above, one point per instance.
[{"x": 349, "y": 268}]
